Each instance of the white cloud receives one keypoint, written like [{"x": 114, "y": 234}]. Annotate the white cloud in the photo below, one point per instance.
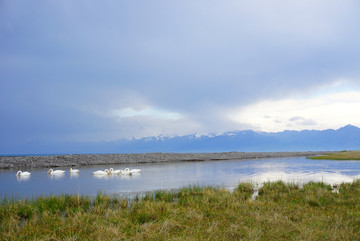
[
  {"x": 330, "y": 110},
  {"x": 147, "y": 112}
]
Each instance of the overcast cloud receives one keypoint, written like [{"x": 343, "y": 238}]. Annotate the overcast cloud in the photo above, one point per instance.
[{"x": 106, "y": 70}]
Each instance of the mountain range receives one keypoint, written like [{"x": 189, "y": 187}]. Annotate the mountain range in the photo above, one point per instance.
[{"x": 345, "y": 138}]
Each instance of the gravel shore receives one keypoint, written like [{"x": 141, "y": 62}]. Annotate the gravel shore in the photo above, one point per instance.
[{"x": 26, "y": 162}]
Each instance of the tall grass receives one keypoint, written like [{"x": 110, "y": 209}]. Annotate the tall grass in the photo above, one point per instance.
[{"x": 280, "y": 211}]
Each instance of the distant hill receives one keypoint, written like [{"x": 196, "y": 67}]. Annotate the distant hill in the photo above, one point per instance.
[{"x": 345, "y": 138}]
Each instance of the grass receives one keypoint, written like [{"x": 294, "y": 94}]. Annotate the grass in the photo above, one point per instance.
[
  {"x": 343, "y": 155},
  {"x": 281, "y": 211}
]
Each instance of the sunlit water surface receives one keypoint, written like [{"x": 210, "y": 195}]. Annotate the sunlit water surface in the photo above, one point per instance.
[{"x": 162, "y": 176}]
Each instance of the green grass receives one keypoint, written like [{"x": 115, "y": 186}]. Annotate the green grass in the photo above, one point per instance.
[
  {"x": 280, "y": 212},
  {"x": 343, "y": 155}
]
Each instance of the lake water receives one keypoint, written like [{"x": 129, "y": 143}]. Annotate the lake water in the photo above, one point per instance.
[{"x": 227, "y": 174}]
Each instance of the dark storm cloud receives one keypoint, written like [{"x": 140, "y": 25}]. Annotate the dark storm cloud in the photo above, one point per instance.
[{"x": 65, "y": 65}]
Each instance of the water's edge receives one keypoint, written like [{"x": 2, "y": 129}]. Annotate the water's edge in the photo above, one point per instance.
[{"x": 7, "y": 162}]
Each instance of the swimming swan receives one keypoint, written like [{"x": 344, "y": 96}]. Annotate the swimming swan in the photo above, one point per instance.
[
  {"x": 20, "y": 173},
  {"x": 105, "y": 172},
  {"x": 135, "y": 170},
  {"x": 74, "y": 171},
  {"x": 57, "y": 172},
  {"x": 126, "y": 171},
  {"x": 112, "y": 171}
]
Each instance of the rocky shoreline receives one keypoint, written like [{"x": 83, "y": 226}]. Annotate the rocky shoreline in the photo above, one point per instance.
[{"x": 26, "y": 162}]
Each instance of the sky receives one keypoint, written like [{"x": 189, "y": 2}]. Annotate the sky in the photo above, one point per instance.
[{"x": 78, "y": 71}]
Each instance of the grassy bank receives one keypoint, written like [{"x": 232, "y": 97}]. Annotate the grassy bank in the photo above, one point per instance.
[
  {"x": 281, "y": 211},
  {"x": 343, "y": 155}
]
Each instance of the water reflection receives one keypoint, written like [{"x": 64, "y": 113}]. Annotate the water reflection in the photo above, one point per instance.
[
  {"x": 74, "y": 175},
  {"x": 103, "y": 177},
  {"x": 56, "y": 176},
  {"x": 329, "y": 178},
  {"x": 23, "y": 178},
  {"x": 117, "y": 176},
  {"x": 134, "y": 175}
]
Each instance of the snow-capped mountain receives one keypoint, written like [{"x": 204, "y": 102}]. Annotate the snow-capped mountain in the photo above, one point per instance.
[{"x": 345, "y": 138}]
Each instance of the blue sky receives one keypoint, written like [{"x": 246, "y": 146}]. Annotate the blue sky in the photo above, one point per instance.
[{"x": 105, "y": 70}]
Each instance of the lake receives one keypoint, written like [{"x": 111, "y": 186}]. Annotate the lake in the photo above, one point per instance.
[{"x": 227, "y": 174}]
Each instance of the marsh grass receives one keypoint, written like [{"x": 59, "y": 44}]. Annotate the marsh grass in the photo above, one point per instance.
[
  {"x": 280, "y": 211},
  {"x": 343, "y": 155}
]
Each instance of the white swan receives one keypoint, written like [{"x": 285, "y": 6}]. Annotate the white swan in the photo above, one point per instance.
[
  {"x": 112, "y": 171},
  {"x": 105, "y": 172},
  {"x": 57, "y": 172},
  {"x": 126, "y": 171},
  {"x": 74, "y": 171},
  {"x": 135, "y": 170},
  {"x": 20, "y": 173}
]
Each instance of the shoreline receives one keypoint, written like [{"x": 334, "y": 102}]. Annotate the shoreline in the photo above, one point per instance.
[{"x": 71, "y": 160}]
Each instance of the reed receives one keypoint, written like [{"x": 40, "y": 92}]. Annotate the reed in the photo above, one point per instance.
[{"x": 280, "y": 211}]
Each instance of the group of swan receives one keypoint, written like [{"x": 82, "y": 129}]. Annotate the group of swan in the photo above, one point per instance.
[
  {"x": 51, "y": 172},
  {"x": 126, "y": 171},
  {"x": 61, "y": 172}
]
